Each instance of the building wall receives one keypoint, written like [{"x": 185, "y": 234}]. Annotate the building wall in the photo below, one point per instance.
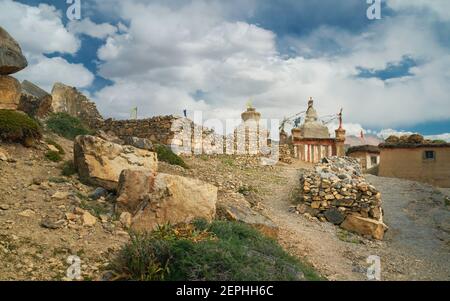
[
  {"x": 365, "y": 159},
  {"x": 408, "y": 163},
  {"x": 314, "y": 150}
]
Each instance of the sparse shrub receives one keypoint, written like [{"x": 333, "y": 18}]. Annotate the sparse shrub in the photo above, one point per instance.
[
  {"x": 228, "y": 161},
  {"x": 67, "y": 126},
  {"x": 68, "y": 168},
  {"x": 165, "y": 154},
  {"x": 95, "y": 208},
  {"x": 246, "y": 190},
  {"x": 18, "y": 127},
  {"x": 204, "y": 157},
  {"x": 346, "y": 236},
  {"x": 53, "y": 156},
  {"x": 221, "y": 251},
  {"x": 55, "y": 144}
]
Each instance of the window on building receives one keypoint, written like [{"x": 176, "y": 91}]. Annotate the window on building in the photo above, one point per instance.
[
  {"x": 429, "y": 155},
  {"x": 374, "y": 160}
]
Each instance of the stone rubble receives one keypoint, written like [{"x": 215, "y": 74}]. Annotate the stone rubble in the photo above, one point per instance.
[{"x": 336, "y": 191}]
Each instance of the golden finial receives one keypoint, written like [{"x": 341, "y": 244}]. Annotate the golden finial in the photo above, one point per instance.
[{"x": 249, "y": 104}]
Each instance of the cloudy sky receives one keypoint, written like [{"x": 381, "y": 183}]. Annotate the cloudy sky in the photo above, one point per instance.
[{"x": 165, "y": 56}]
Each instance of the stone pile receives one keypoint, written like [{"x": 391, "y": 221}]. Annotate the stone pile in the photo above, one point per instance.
[
  {"x": 285, "y": 154},
  {"x": 337, "y": 192},
  {"x": 11, "y": 61}
]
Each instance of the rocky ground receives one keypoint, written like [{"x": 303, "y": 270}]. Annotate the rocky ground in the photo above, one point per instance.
[{"x": 43, "y": 220}]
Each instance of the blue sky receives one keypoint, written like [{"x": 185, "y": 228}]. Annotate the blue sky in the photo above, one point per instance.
[{"x": 165, "y": 56}]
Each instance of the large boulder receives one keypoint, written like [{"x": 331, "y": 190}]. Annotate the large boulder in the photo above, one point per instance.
[
  {"x": 11, "y": 57},
  {"x": 364, "y": 226},
  {"x": 69, "y": 100},
  {"x": 158, "y": 199},
  {"x": 235, "y": 207},
  {"x": 100, "y": 162},
  {"x": 9, "y": 93},
  {"x": 34, "y": 101}
]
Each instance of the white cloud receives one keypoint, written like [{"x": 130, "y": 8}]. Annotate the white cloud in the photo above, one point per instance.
[
  {"x": 385, "y": 133},
  {"x": 37, "y": 29},
  {"x": 44, "y": 72},
  {"x": 193, "y": 48},
  {"x": 445, "y": 137},
  {"x": 87, "y": 27}
]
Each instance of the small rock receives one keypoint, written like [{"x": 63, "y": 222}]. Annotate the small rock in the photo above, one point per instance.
[
  {"x": 60, "y": 195},
  {"x": 125, "y": 219},
  {"x": 334, "y": 216},
  {"x": 88, "y": 219},
  {"x": 27, "y": 213},
  {"x": 49, "y": 224},
  {"x": 104, "y": 218},
  {"x": 4, "y": 207},
  {"x": 3, "y": 155},
  {"x": 52, "y": 148},
  {"x": 98, "y": 193}
]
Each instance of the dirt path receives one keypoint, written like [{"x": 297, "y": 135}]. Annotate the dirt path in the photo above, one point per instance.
[
  {"x": 312, "y": 240},
  {"x": 416, "y": 246}
]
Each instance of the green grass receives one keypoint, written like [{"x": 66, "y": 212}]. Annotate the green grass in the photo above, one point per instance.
[
  {"x": 94, "y": 207},
  {"x": 53, "y": 156},
  {"x": 165, "y": 154},
  {"x": 221, "y": 251},
  {"x": 68, "y": 168},
  {"x": 246, "y": 190},
  {"x": 67, "y": 126},
  {"x": 228, "y": 161},
  {"x": 18, "y": 127},
  {"x": 346, "y": 236}
]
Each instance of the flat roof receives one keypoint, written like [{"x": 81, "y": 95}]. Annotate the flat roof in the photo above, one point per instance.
[{"x": 414, "y": 145}]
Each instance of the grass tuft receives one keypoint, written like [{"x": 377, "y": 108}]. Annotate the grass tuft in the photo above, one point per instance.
[
  {"x": 165, "y": 154},
  {"x": 18, "y": 127},
  {"x": 53, "y": 156},
  {"x": 220, "y": 251},
  {"x": 68, "y": 168},
  {"x": 55, "y": 144},
  {"x": 67, "y": 126}
]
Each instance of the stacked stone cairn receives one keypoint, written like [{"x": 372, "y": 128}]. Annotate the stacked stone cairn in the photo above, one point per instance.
[
  {"x": 11, "y": 61},
  {"x": 337, "y": 192}
]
